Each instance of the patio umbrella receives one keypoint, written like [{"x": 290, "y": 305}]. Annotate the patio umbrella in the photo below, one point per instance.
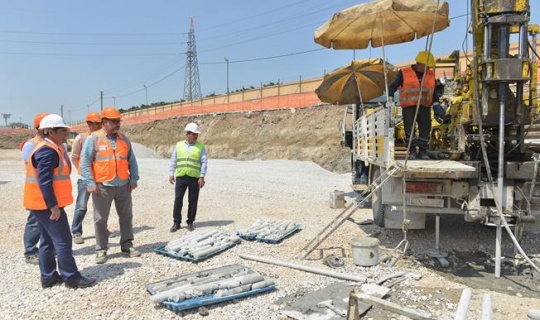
[
  {"x": 382, "y": 22},
  {"x": 358, "y": 82}
]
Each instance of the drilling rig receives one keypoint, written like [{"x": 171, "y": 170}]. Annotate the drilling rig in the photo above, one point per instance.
[{"x": 482, "y": 165}]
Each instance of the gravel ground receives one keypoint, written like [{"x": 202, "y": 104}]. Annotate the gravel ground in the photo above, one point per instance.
[{"x": 236, "y": 194}]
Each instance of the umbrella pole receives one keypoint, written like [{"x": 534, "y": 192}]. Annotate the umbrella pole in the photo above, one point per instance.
[{"x": 384, "y": 67}]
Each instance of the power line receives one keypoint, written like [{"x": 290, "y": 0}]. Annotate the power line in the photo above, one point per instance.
[
  {"x": 95, "y": 43},
  {"x": 89, "y": 54},
  {"x": 95, "y": 34}
]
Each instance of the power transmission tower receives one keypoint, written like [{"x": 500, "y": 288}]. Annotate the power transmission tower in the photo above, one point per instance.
[{"x": 192, "y": 85}]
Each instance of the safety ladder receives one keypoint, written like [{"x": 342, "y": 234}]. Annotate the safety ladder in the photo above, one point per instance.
[{"x": 347, "y": 212}]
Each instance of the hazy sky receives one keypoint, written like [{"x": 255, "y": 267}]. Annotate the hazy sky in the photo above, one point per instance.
[{"x": 60, "y": 52}]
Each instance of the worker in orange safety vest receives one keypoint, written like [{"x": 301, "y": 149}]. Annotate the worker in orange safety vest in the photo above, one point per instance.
[
  {"x": 47, "y": 191},
  {"x": 31, "y": 229},
  {"x": 109, "y": 169},
  {"x": 416, "y": 86}
]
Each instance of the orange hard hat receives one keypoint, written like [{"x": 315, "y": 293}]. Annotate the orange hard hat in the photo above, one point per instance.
[
  {"x": 93, "y": 117},
  {"x": 110, "y": 113},
  {"x": 38, "y": 117}
]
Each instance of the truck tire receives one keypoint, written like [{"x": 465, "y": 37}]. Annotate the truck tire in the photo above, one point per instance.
[{"x": 377, "y": 207}]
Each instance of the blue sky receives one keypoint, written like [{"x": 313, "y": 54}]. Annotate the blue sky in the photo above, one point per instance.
[{"x": 60, "y": 52}]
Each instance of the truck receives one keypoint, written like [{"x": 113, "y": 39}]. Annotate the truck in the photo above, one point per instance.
[{"x": 483, "y": 165}]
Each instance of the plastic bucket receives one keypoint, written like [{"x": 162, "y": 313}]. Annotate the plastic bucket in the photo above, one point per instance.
[{"x": 365, "y": 251}]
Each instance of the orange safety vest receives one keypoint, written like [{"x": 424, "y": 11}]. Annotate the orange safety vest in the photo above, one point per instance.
[
  {"x": 33, "y": 199},
  {"x": 34, "y": 141},
  {"x": 84, "y": 135},
  {"x": 410, "y": 89},
  {"x": 109, "y": 163}
]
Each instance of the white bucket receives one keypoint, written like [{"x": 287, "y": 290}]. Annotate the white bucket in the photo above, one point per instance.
[{"x": 365, "y": 251}]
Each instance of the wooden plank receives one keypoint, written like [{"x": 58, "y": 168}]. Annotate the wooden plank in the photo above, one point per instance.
[
  {"x": 393, "y": 307},
  {"x": 435, "y": 165},
  {"x": 436, "y": 169}
]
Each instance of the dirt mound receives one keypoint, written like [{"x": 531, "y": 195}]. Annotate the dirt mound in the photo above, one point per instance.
[
  {"x": 12, "y": 138},
  {"x": 309, "y": 134}
]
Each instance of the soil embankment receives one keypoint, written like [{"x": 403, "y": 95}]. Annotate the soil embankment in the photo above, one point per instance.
[{"x": 307, "y": 134}]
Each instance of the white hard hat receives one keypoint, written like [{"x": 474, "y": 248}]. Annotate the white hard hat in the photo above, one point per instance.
[
  {"x": 192, "y": 127},
  {"x": 52, "y": 121}
]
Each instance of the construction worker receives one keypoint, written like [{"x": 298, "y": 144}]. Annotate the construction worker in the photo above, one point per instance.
[
  {"x": 408, "y": 82},
  {"x": 47, "y": 191},
  {"x": 93, "y": 121},
  {"x": 109, "y": 168},
  {"x": 31, "y": 229},
  {"x": 187, "y": 169}
]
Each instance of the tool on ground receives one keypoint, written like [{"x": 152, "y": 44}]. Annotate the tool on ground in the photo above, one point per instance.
[{"x": 328, "y": 304}]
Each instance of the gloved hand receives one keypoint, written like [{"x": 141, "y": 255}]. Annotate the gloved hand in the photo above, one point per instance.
[{"x": 438, "y": 112}]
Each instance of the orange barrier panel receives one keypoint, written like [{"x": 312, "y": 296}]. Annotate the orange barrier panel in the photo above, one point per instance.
[{"x": 297, "y": 100}]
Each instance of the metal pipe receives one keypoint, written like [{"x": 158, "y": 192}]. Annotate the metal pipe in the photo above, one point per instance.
[
  {"x": 304, "y": 268},
  {"x": 500, "y": 179},
  {"x": 437, "y": 230},
  {"x": 463, "y": 306}
]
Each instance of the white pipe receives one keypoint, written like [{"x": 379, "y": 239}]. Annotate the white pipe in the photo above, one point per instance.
[
  {"x": 304, "y": 268},
  {"x": 487, "y": 313},
  {"x": 463, "y": 306}
]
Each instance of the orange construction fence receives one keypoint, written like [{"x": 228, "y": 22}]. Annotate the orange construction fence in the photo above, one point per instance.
[{"x": 282, "y": 96}]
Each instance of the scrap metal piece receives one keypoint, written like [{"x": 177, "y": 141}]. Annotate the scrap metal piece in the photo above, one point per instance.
[
  {"x": 334, "y": 261},
  {"x": 440, "y": 256}
]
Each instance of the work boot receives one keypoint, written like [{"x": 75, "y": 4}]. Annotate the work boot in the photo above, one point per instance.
[
  {"x": 32, "y": 259},
  {"x": 83, "y": 282},
  {"x": 175, "y": 227},
  {"x": 363, "y": 178},
  {"x": 422, "y": 155},
  {"x": 50, "y": 282},
  {"x": 101, "y": 256},
  {"x": 131, "y": 252},
  {"x": 78, "y": 239}
]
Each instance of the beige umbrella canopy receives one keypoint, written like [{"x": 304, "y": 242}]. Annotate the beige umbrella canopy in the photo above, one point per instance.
[
  {"x": 358, "y": 82},
  {"x": 382, "y": 22}
]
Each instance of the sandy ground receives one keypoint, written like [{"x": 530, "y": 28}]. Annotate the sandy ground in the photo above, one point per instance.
[{"x": 237, "y": 193}]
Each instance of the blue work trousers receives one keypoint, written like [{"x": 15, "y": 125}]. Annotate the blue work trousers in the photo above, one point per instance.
[
  {"x": 31, "y": 236},
  {"x": 81, "y": 207},
  {"x": 55, "y": 237}
]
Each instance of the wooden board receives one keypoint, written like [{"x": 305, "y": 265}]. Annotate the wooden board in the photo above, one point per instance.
[{"x": 436, "y": 169}]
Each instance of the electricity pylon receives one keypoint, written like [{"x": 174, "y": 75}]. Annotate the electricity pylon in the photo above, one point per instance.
[{"x": 192, "y": 85}]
